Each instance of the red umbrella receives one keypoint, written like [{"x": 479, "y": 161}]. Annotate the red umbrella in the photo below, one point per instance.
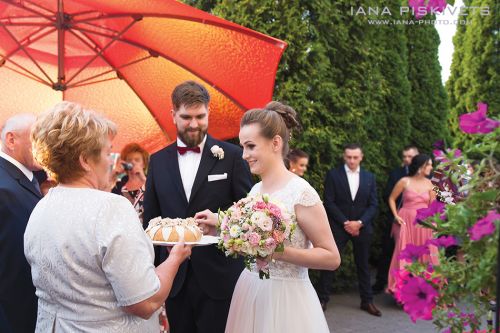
[{"x": 124, "y": 57}]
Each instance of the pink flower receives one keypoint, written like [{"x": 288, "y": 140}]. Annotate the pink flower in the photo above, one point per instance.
[
  {"x": 270, "y": 244},
  {"x": 439, "y": 144},
  {"x": 401, "y": 277},
  {"x": 275, "y": 210},
  {"x": 477, "y": 122},
  {"x": 441, "y": 155},
  {"x": 413, "y": 252},
  {"x": 443, "y": 241},
  {"x": 419, "y": 298},
  {"x": 260, "y": 205},
  {"x": 254, "y": 239},
  {"x": 437, "y": 5},
  {"x": 436, "y": 207},
  {"x": 485, "y": 226},
  {"x": 420, "y": 9}
]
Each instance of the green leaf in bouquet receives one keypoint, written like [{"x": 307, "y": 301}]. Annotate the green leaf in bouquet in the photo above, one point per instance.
[{"x": 280, "y": 248}]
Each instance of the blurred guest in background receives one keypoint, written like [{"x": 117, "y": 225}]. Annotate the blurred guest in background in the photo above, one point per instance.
[
  {"x": 417, "y": 192},
  {"x": 387, "y": 241},
  {"x": 297, "y": 161},
  {"x": 135, "y": 160}
]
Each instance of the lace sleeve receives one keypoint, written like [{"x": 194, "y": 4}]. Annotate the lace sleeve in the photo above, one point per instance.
[{"x": 308, "y": 197}]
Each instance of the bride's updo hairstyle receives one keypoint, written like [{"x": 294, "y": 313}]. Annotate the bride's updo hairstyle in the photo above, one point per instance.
[{"x": 275, "y": 119}]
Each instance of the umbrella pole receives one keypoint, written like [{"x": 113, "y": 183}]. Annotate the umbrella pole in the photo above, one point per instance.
[{"x": 61, "y": 27}]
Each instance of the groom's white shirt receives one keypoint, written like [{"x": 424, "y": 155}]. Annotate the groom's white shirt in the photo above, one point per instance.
[{"x": 188, "y": 165}]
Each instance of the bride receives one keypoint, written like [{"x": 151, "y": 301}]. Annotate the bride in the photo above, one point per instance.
[{"x": 287, "y": 301}]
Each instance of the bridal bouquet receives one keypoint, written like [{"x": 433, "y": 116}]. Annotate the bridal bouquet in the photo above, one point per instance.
[{"x": 255, "y": 228}]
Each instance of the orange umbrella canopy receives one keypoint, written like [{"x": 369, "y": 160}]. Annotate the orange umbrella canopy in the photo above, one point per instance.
[{"x": 123, "y": 58}]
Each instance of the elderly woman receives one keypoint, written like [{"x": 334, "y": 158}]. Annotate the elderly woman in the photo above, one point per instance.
[{"x": 91, "y": 262}]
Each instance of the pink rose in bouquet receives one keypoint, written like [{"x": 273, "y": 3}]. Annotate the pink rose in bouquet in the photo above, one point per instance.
[{"x": 255, "y": 227}]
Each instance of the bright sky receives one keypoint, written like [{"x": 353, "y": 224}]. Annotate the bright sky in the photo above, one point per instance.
[{"x": 446, "y": 31}]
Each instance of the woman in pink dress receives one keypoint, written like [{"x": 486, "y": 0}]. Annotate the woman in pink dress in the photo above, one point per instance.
[{"x": 417, "y": 193}]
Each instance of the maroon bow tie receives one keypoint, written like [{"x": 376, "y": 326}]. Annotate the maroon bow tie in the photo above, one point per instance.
[{"x": 183, "y": 150}]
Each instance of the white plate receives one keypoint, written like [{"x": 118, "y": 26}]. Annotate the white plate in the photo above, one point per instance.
[{"x": 205, "y": 240}]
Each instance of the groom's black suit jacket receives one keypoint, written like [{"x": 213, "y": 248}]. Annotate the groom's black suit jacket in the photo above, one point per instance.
[{"x": 165, "y": 197}]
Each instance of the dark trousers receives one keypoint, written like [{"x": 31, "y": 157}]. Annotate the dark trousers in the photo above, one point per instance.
[
  {"x": 18, "y": 315},
  {"x": 192, "y": 311},
  {"x": 385, "y": 260},
  {"x": 361, "y": 248}
]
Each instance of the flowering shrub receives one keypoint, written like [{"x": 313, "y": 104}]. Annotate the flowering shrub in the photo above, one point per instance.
[
  {"x": 456, "y": 293},
  {"x": 255, "y": 228}
]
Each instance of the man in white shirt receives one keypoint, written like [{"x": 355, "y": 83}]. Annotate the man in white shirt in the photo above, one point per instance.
[
  {"x": 351, "y": 204},
  {"x": 19, "y": 193}
]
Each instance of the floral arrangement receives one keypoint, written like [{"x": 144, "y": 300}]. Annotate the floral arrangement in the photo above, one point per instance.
[
  {"x": 217, "y": 152},
  {"x": 255, "y": 228},
  {"x": 457, "y": 294}
]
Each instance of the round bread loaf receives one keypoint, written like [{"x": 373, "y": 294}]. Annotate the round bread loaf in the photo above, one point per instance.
[{"x": 174, "y": 230}]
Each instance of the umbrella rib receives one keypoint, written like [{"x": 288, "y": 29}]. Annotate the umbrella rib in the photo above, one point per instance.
[
  {"x": 27, "y": 24},
  {"x": 26, "y": 51},
  {"x": 128, "y": 83},
  {"x": 79, "y": 84},
  {"x": 113, "y": 68},
  {"x": 11, "y": 3},
  {"x": 100, "y": 27},
  {"x": 211, "y": 83},
  {"x": 39, "y": 6},
  {"x": 31, "y": 41},
  {"x": 224, "y": 25},
  {"x": 101, "y": 51},
  {"x": 31, "y": 75}
]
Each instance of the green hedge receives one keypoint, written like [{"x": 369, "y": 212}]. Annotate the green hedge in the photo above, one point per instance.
[{"x": 350, "y": 82}]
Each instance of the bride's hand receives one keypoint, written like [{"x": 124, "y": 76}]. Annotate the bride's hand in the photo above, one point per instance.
[{"x": 207, "y": 221}]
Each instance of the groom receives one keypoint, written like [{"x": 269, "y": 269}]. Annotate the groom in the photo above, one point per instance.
[{"x": 192, "y": 174}]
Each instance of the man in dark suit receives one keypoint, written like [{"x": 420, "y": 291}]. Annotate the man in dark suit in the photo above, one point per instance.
[
  {"x": 19, "y": 193},
  {"x": 193, "y": 174},
  {"x": 387, "y": 241},
  {"x": 351, "y": 204}
]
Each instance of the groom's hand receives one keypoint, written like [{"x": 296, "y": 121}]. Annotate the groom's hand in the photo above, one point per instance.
[{"x": 207, "y": 221}]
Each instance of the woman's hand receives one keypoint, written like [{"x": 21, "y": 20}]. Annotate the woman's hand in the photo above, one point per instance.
[
  {"x": 399, "y": 220},
  {"x": 179, "y": 253},
  {"x": 138, "y": 172},
  {"x": 207, "y": 221}
]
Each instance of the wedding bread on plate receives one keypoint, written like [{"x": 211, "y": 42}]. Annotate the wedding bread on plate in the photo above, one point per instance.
[{"x": 174, "y": 230}]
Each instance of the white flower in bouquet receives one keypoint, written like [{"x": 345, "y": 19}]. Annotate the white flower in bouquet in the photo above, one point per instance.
[
  {"x": 261, "y": 220},
  {"x": 235, "y": 231}
]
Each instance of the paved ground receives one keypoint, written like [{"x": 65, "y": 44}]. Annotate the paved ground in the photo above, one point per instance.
[{"x": 344, "y": 316}]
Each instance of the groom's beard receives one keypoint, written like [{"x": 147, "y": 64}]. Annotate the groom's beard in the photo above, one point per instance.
[{"x": 191, "y": 139}]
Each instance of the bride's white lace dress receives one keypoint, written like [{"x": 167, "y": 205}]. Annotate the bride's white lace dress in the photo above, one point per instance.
[{"x": 287, "y": 302}]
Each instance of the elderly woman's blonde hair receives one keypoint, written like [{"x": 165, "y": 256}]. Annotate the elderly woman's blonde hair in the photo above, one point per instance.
[{"x": 63, "y": 133}]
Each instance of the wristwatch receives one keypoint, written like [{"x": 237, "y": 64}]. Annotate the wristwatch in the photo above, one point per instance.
[{"x": 360, "y": 222}]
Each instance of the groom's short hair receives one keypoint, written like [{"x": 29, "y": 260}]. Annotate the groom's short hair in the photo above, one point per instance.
[
  {"x": 352, "y": 146},
  {"x": 189, "y": 94}
]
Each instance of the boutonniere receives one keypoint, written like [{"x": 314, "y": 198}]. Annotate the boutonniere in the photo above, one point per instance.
[{"x": 217, "y": 152}]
